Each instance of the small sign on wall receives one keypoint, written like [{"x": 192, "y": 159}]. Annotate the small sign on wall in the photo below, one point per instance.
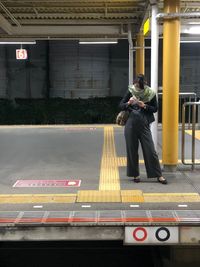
[{"x": 21, "y": 54}]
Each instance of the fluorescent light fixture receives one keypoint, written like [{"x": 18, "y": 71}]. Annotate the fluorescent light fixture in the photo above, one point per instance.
[
  {"x": 197, "y": 41},
  {"x": 193, "y": 30},
  {"x": 11, "y": 43},
  {"x": 194, "y": 23},
  {"x": 98, "y": 41},
  {"x": 103, "y": 42},
  {"x": 190, "y": 39}
]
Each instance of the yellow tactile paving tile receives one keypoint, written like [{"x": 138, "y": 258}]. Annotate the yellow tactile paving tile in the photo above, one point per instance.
[
  {"x": 192, "y": 198},
  {"x": 121, "y": 161},
  {"x": 132, "y": 196},
  {"x": 109, "y": 173},
  {"x": 171, "y": 197},
  {"x": 98, "y": 196},
  {"x": 173, "y": 194},
  {"x": 37, "y": 198},
  {"x": 131, "y": 192},
  {"x": 197, "y": 133}
]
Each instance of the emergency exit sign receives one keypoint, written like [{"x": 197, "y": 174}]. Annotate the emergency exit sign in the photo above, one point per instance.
[{"x": 21, "y": 54}]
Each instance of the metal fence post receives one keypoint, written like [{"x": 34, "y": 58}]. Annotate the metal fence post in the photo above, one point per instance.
[{"x": 193, "y": 105}]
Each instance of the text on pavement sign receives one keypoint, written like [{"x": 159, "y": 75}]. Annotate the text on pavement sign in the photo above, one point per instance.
[{"x": 47, "y": 183}]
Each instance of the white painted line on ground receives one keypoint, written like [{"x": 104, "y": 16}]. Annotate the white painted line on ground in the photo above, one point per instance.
[
  {"x": 86, "y": 206},
  {"x": 38, "y": 207},
  {"x": 182, "y": 206},
  {"x": 134, "y": 206}
]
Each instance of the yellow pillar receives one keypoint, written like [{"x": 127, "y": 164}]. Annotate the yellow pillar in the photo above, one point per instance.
[
  {"x": 171, "y": 71},
  {"x": 140, "y": 54}
]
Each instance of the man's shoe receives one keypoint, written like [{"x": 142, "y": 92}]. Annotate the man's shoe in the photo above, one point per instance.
[
  {"x": 162, "y": 180},
  {"x": 136, "y": 179}
]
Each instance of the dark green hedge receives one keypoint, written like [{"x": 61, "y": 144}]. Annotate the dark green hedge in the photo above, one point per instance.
[
  {"x": 63, "y": 111},
  {"x": 59, "y": 111}
]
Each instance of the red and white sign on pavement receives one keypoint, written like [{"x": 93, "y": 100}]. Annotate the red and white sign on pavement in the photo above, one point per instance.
[
  {"x": 21, "y": 54},
  {"x": 47, "y": 183},
  {"x": 151, "y": 235}
]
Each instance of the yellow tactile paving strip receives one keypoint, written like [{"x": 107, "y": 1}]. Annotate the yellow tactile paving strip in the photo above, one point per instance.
[
  {"x": 132, "y": 196},
  {"x": 171, "y": 197},
  {"x": 109, "y": 173},
  {"x": 37, "y": 198},
  {"x": 197, "y": 133},
  {"x": 99, "y": 196},
  {"x": 56, "y": 126},
  {"x": 121, "y": 161},
  {"x": 95, "y": 196}
]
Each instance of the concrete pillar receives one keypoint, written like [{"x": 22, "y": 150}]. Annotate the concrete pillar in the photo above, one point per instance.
[
  {"x": 140, "y": 54},
  {"x": 171, "y": 70}
]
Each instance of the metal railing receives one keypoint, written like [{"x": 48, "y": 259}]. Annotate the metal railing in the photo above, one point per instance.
[
  {"x": 194, "y": 106},
  {"x": 183, "y": 97},
  {"x": 190, "y": 96}
]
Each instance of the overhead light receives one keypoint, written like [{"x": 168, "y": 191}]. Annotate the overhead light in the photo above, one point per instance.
[
  {"x": 108, "y": 42},
  {"x": 190, "y": 39},
  {"x": 98, "y": 41},
  {"x": 193, "y": 30},
  {"x": 11, "y": 43},
  {"x": 197, "y": 41},
  {"x": 193, "y": 22}
]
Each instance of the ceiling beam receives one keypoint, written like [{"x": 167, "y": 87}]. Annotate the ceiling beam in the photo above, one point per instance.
[
  {"x": 77, "y": 15},
  {"x": 5, "y": 25},
  {"x": 70, "y": 8},
  {"x": 76, "y": 1},
  {"x": 66, "y": 30},
  {"x": 9, "y": 14},
  {"x": 190, "y": 4},
  {"x": 77, "y": 22}
]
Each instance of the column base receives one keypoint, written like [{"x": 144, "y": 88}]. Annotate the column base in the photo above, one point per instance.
[{"x": 169, "y": 168}]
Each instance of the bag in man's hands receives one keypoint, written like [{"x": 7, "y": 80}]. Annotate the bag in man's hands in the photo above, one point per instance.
[{"x": 122, "y": 117}]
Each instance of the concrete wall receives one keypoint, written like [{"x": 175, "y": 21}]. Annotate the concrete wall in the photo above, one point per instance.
[
  {"x": 3, "y": 79},
  {"x": 69, "y": 70},
  {"x": 78, "y": 70},
  {"x": 189, "y": 67},
  {"x": 119, "y": 68},
  {"x": 23, "y": 78}
]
